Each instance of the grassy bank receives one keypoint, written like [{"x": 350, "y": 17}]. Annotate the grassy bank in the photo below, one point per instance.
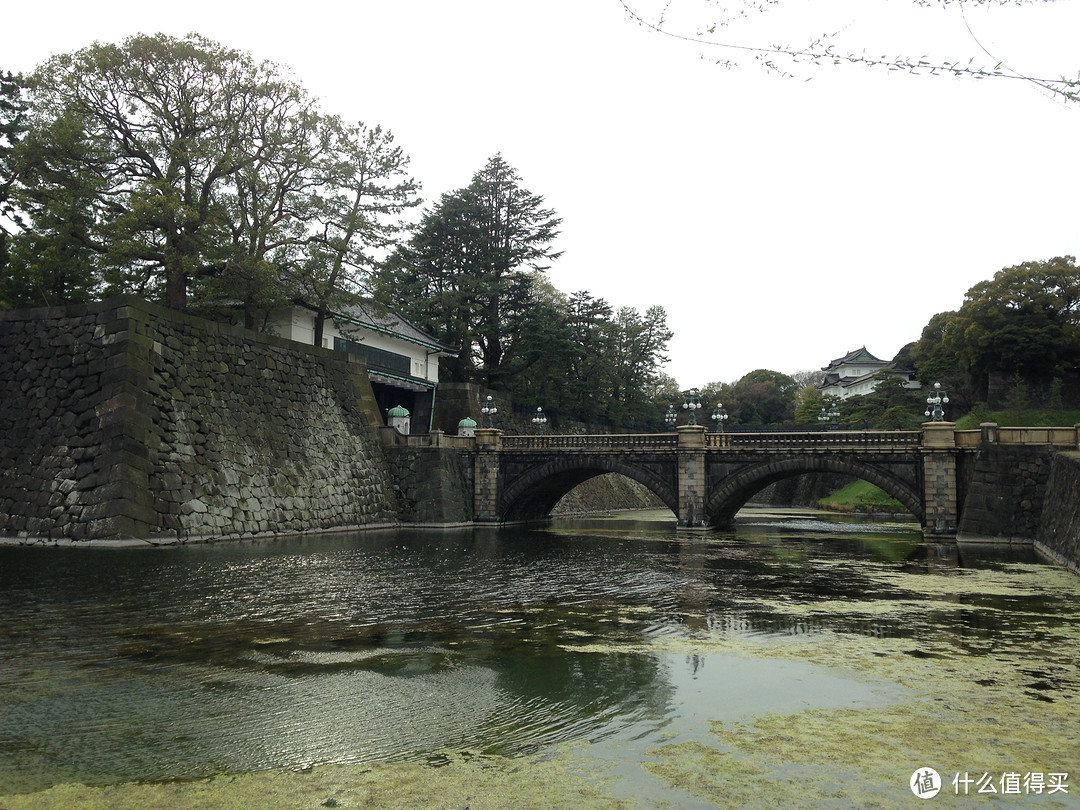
[
  {"x": 860, "y": 496},
  {"x": 1018, "y": 418}
]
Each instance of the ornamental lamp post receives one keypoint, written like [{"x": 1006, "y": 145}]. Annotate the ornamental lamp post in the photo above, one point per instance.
[
  {"x": 671, "y": 417},
  {"x": 934, "y": 402},
  {"x": 830, "y": 415},
  {"x": 691, "y": 405},
  {"x": 719, "y": 416},
  {"x": 488, "y": 409},
  {"x": 539, "y": 420}
]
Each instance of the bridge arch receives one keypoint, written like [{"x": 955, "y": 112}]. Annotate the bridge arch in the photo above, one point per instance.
[
  {"x": 736, "y": 489},
  {"x": 535, "y": 492}
]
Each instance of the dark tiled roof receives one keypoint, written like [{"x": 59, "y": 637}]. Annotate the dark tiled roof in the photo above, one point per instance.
[
  {"x": 384, "y": 319},
  {"x": 857, "y": 357}
]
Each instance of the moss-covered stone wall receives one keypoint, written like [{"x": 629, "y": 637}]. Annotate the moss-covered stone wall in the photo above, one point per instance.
[{"x": 126, "y": 420}]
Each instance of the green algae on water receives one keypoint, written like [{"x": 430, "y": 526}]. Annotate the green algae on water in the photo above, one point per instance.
[{"x": 460, "y": 779}]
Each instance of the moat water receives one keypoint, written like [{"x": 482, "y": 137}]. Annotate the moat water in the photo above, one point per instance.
[{"x": 800, "y": 659}]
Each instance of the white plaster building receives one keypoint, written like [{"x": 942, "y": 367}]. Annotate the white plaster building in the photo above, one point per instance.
[
  {"x": 402, "y": 360},
  {"x": 856, "y": 374}
]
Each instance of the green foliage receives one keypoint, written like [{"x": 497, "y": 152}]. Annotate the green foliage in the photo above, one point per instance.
[
  {"x": 472, "y": 275},
  {"x": 808, "y": 405},
  {"x": 543, "y": 348},
  {"x": 166, "y": 166},
  {"x": 861, "y": 496},
  {"x": 361, "y": 189},
  {"x": 892, "y": 406},
  {"x": 1031, "y": 417},
  {"x": 12, "y": 126},
  {"x": 1021, "y": 327},
  {"x": 763, "y": 397},
  {"x": 151, "y": 131},
  {"x": 464, "y": 270}
]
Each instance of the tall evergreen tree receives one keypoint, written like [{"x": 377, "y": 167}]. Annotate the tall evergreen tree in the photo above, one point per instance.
[
  {"x": 12, "y": 125},
  {"x": 461, "y": 270}
]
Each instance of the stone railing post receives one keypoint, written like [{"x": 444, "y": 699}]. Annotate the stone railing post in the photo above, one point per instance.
[
  {"x": 486, "y": 475},
  {"x": 988, "y": 432},
  {"x": 690, "y": 459},
  {"x": 939, "y": 479}
]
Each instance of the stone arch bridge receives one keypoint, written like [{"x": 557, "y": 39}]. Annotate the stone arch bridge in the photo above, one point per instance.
[{"x": 704, "y": 478}]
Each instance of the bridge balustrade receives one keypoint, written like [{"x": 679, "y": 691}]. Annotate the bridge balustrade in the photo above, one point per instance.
[
  {"x": 860, "y": 440},
  {"x": 704, "y": 477},
  {"x": 612, "y": 442}
]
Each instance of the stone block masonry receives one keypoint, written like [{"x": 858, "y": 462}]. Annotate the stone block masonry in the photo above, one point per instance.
[
  {"x": 1005, "y": 494},
  {"x": 434, "y": 485},
  {"x": 123, "y": 419},
  {"x": 1059, "y": 530}
]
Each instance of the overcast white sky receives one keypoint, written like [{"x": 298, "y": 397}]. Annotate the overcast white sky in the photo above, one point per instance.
[{"x": 781, "y": 222}]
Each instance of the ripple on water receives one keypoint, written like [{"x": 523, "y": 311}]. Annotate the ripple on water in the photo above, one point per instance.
[{"x": 630, "y": 667}]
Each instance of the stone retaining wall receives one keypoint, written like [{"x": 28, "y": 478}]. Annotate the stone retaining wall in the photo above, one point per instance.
[
  {"x": 1059, "y": 530},
  {"x": 434, "y": 485},
  {"x": 609, "y": 492},
  {"x": 1005, "y": 494},
  {"x": 126, "y": 420}
]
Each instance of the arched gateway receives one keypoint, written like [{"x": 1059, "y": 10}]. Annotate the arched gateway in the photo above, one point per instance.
[{"x": 705, "y": 478}]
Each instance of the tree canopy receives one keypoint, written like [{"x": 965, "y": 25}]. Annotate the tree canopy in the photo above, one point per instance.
[
  {"x": 165, "y": 166},
  {"x": 473, "y": 275},
  {"x": 465, "y": 271},
  {"x": 12, "y": 126},
  {"x": 1023, "y": 324}
]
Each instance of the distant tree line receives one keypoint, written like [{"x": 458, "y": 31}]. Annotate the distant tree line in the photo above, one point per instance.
[{"x": 1013, "y": 344}]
